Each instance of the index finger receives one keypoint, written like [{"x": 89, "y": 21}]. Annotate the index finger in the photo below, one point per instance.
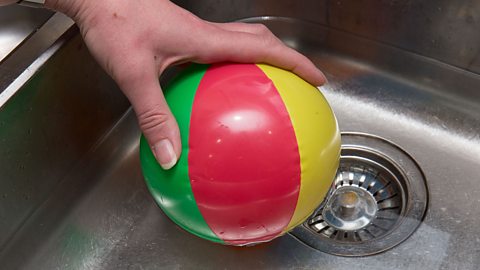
[{"x": 247, "y": 47}]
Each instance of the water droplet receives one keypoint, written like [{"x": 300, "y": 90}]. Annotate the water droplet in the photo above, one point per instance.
[{"x": 243, "y": 223}]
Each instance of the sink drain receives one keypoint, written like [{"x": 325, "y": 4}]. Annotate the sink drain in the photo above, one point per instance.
[
  {"x": 377, "y": 200},
  {"x": 365, "y": 203}
]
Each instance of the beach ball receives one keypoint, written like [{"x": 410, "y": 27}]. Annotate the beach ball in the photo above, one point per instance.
[{"x": 260, "y": 150}]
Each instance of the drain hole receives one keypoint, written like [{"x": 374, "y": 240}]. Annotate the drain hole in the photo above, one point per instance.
[
  {"x": 361, "y": 189},
  {"x": 370, "y": 198}
]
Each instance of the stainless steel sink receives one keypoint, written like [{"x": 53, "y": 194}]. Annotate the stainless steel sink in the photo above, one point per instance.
[{"x": 72, "y": 195}]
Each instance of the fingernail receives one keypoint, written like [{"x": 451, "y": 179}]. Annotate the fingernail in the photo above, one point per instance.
[
  {"x": 325, "y": 81},
  {"x": 164, "y": 153}
]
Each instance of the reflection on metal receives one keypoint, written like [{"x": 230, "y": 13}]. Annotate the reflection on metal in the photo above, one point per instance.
[
  {"x": 444, "y": 30},
  {"x": 378, "y": 199},
  {"x": 50, "y": 116},
  {"x": 17, "y": 24},
  {"x": 25, "y": 60},
  {"x": 350, "y": 208}
]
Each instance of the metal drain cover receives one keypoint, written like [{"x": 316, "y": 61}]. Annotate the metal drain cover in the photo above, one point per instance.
[{"x": 377, "y": 200}]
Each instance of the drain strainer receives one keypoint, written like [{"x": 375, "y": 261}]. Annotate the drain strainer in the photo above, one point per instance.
[{"x": 377, "y": 200}]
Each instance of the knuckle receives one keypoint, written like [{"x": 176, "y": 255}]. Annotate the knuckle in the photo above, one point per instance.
[
  {"x": 153, "y": 120},
  {"x": 272, "y": 41},
  {"x": 270, "y": 45},
  {"x": 262, "y": 29}
]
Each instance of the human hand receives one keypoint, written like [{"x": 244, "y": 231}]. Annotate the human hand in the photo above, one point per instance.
[{"x": 135, "y": 41}]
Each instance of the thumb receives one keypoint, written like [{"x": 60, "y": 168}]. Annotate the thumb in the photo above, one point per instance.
[{"x": 154, "y": 117}]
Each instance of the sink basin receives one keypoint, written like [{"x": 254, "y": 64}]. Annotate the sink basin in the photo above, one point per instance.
[{"x": 72, "y": 195}]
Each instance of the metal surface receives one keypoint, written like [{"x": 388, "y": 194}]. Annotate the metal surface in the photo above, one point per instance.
[
  {"x": 18, "y": 66},
  {"x": 17, "y": 24},
  {"x": 48, "y": 125},
  {"x": 349, "y": 209},
  {"x": 444, "y": 30},
  {"x": 93, "y": 210},
  {"x": 441, "y": 29},
  {"x": 379, "y": 198},
  {"x": 229, "y": 10},
  {"x": 32, "y": 3}
]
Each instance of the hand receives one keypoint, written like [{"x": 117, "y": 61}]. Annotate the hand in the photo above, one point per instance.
[{"x": 135, "y": 41}]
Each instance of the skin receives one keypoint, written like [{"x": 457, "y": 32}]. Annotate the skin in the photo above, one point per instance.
[{"x": 135, "y": 41}]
